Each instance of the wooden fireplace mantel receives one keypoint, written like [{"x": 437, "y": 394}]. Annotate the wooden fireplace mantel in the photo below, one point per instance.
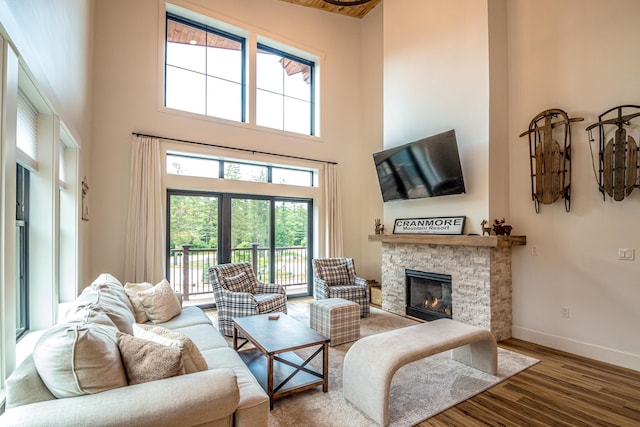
[{"x": 451, "y": 240}]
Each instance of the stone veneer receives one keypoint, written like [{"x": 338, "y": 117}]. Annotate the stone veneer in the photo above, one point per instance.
[{"x": 480, "y": 278}]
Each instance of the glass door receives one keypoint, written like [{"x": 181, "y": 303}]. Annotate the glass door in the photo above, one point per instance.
[
  {"x": 251, "y": 234},
  {"x": 292, "y": 246},
  {"x": 273, "y": 234},
  {"x": 192, "y": 244}
]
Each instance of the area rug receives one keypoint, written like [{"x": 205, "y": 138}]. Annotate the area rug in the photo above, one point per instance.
[{"x": 419, "y": 390}]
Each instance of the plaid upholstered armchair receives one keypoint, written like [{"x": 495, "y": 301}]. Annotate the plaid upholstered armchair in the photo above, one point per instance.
[
  {"x": 336, "y": 278},
  {"x": 238, "y": 293}
]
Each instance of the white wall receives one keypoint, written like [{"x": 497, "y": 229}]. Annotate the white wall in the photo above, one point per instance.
[
  {"x": 372, "y": 129},
  {"x": 582, "y": 61},
  {"x": 53, "y": 39},
  {"x": 50, "y": 40},
  {"x": 436, "y": 78},
  {"x": 128, "y": 56},
  {"x": 569, "y": 54},
  {"x": 498, "y": 111}
]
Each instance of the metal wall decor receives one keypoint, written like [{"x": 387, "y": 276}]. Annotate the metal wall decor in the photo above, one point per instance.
[
  {"x": 85, "y": 202},
  {"x": 618, "y": 166},
  {"x": 550, "y": 160}
]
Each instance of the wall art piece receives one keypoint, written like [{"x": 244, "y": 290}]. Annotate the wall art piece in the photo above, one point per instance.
[
  {"x": 617, "y": 172},
  {"x": 85, "y": 201},
  {"x": 550, "y": 157}
]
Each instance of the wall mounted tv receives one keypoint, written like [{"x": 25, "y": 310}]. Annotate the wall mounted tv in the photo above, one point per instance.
[{"x": 428, "y": 167}]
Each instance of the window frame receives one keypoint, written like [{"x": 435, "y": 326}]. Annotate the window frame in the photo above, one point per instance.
[
  {"x": 312, "y": 77},
  {"x": 189, "y": 183},
  {"x": 224, "y": 229},
  {"x": 252, "y": 35},
  {"x": 22, "y": 255},
  {"x": 218, "y": 32},
  {"x": 222, "y": 162}
]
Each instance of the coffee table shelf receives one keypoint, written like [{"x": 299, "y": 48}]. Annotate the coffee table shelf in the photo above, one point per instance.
[
  {"x": 277, "y": 368},
  {"x": 257, "y": 364}
]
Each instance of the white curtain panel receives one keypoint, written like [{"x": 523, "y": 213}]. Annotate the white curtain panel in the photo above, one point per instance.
[
  {"x": 334, "y": 212},
  {"x": 144, "y": 252}
]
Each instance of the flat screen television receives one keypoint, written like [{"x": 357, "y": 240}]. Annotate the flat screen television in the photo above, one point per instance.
[{"x": 428, "y": 167}]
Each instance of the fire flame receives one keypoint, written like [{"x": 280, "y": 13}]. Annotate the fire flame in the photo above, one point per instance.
[{"x": 431, "y": 304}]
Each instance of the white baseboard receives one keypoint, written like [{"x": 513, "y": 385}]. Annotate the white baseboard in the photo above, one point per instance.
[{"x": 603, "y": 354}]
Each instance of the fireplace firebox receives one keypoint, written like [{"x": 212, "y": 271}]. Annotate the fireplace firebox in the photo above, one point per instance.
[{"x": 429, "y": 295}]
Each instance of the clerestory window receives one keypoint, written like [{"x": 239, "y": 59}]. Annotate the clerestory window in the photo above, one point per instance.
[
  {"x": 285, "y": 91},
  {"x": 204, "y": 70},
  {"x": 206, "y": 73},
  {"x": 208, "y": 167}
]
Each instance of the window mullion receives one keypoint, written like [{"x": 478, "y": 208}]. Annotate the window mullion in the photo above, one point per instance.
[
  {"x": 206, "y": 73},
  {"x": 272, "y": 240},
  {"x": 252, "y": 73},
  {"x": 284, "y": 73}
]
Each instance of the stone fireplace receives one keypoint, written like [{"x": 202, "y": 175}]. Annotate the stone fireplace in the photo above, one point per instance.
[{"x": 480, "y": 270}]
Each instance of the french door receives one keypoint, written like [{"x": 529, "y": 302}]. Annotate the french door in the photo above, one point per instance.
[{"x": 272, "y": 233}]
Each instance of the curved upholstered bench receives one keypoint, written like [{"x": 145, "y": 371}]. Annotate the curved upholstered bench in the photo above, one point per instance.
[{"x": 371, "y": 362}]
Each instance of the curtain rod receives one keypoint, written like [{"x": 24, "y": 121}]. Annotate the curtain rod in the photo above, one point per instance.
[{"x": 235, "y": 148}]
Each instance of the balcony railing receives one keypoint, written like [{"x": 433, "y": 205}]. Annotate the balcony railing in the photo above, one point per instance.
[{"x": 189, "y": 268}]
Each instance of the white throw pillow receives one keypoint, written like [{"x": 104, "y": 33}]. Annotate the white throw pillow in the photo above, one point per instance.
[
  {"x": 132, "y": 290},
  {"x": 107, "y": 293},
  {"x": 160, "y": 303},
  {"x": 74, "y": 359},
  {"x": 90, "y": 313}
]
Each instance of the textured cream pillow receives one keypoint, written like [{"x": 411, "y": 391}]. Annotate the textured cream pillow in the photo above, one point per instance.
[
  {"x": 191, "y": 356},
  {"x": 160, "y": 303},
  {"x": 132, "y": 290},
  {"x": 75, "y": 359},
  {"x": 146, "y": 361}
]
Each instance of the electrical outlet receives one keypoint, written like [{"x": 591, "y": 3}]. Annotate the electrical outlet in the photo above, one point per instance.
[
  {"x": 626, "y": 254},
  {"x": 565, "y": 312},
  {"x": 534, "y": 250}
]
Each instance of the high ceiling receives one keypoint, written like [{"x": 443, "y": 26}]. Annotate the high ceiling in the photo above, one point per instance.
[{"x": 353, "y": 11}]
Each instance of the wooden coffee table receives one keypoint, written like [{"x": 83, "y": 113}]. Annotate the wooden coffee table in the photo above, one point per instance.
[{"x": 277, "y": 368}]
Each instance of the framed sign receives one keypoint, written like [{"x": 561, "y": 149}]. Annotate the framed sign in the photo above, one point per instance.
[{"x": 437, "y": 225}]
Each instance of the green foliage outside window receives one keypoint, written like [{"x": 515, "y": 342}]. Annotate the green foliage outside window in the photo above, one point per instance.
[{"x": 194, "y": 221}]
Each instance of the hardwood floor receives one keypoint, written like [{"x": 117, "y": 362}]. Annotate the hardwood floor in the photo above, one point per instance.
[{"x": 561, "y": 390}]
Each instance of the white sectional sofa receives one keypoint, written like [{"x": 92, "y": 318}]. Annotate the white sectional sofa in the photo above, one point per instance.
[{"x": 67, "y": 382}]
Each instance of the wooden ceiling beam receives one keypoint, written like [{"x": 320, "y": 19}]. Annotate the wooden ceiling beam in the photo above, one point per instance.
[{"x": 353, "y": 11}]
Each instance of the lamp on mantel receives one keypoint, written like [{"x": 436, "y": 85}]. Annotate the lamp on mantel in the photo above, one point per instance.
[{"x": 347, "y": 3}]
